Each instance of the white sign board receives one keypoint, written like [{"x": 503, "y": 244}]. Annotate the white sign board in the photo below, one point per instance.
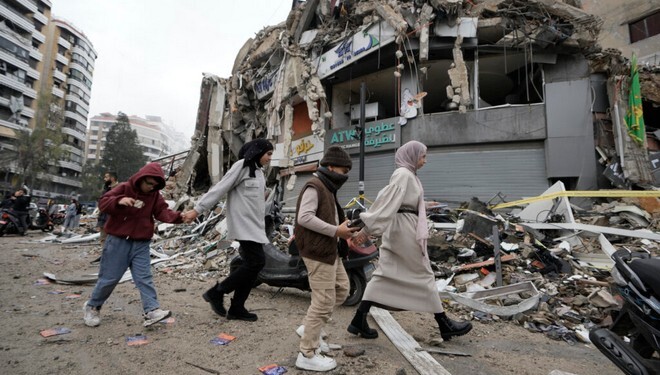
[{"x": 352, "y": 49}]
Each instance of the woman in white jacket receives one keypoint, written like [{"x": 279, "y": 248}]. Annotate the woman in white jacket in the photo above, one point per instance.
[
  {"x": 244, "y": 185},
  {"x": 404, "y": 279}
]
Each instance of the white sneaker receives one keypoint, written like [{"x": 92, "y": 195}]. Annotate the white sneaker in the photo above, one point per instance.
[
  {"x": 323, "y": 346},
  {"x": 318, "y": 362},
  {"x": 92, "y": 316},
  {"x": 155, "y": 316}
]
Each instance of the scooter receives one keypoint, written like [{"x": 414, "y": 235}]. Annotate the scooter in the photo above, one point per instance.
[
  {"x": 637, "y": 280},
  {"x": 43, "y": 221},
  {"x": 287, "y": 269},
  {"x": 8, "y": 223}
]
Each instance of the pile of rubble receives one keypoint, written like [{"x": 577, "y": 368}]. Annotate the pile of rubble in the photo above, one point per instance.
[{"x": 555, "y": 281}]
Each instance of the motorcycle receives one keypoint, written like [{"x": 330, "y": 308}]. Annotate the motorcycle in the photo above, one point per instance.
[
  {"x": 57, "y": 218},
  {"x": 8, "y": 223},
  {"x": 287, "y": 269},
  {"x": 632, "y": 341},
  {"x": 42, "y": 221}
]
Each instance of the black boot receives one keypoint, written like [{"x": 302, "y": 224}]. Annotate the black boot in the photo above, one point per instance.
[
  {"x": 449, "y": 328},
  {"x": 359, "y": 326},
  {"x": 240, "y": 313},
  {"x": 215, "y": 296}
]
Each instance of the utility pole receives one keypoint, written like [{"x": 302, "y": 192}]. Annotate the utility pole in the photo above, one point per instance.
[{"x": 363, "y": 98}]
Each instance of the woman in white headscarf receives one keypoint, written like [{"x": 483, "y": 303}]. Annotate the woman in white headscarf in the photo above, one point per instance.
[{"x": 404, "y": 279}]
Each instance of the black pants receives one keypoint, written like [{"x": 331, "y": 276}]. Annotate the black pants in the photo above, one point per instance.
[
  {"x": 241, "y": 280},
  {"x": 22, "y": 217}
]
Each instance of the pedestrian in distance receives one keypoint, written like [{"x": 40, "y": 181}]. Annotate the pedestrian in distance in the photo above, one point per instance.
[
  {"x": 403, "y": 279},
  {"x": 320, "y": 223},
  {"x": 132, "y": 207},
  {"x": 244, "y": 185},
  {"x": 20, "y": 208},
  {"x": 70, "y": 216}
]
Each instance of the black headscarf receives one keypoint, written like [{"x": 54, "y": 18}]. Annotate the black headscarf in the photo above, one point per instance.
[{"x": 253, "y": 151}]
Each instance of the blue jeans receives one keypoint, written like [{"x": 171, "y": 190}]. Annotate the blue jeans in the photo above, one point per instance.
[{"x": 118, "y": 255}]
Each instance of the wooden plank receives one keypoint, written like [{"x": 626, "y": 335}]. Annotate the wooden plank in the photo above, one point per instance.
[{"x": 423, "y": 362}]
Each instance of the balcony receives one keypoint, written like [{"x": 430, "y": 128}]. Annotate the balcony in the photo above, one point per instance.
[
  {"x": 85, "y": 54},
  {"x": 18, "y": 86},
  {"x": 64, "y": 43},
  {"x": 18, "y": 20},
  {"x": 77, "y": 100},
  {"x": 13, "y": 60},
  {"x": 74, "y": 133},
  {"x": 80, "y": 85},
  {"x": 62, "y": 180},
  {"x": 38, "y": 36},
  {"x": 75, "y": 116},
  {"x": 29, "y": 5},
  {"x": 70, "y": 165},
  {"x": 28, "y": 112},
  {"x": 40, "y": 17},
  {"x": 57, "y": 92},
  {"x": 61, "y": 58},
  {"x": 35, "y": 54},
  {"x": 59, "y": 75},
  {"x": 85, "y": 72}
]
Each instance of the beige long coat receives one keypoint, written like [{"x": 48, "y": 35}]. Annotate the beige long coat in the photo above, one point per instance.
[{"x": 403, "y": 278}]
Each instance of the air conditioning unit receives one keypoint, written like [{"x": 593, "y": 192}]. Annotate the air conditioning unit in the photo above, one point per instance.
[{"x": 371, "y": 111}]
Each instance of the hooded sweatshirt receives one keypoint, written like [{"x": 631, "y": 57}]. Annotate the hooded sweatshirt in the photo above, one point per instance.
[{"x": 137, "y": 223}]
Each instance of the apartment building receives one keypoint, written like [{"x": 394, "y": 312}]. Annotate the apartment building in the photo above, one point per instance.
[
  {"x": 23, "y": 25},
  {"x": 150, "y": 131},
  {"x": 42, "y": 56},
  {"x": 68, "y": 72}
]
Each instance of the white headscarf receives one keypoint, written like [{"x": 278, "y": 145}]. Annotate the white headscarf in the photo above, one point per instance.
[{"x": 407, "y": 156}]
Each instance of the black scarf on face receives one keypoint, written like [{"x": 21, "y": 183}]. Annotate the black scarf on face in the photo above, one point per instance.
[{"x": 332, "y": 180}]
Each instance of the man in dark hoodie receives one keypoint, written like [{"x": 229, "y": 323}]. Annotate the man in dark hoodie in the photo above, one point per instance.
[{"x": 132, "y": 207}]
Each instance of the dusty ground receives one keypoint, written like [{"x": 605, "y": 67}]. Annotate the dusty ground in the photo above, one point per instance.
[{"x": 177, "y": 348}]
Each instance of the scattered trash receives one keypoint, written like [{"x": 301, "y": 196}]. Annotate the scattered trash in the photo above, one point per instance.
[
  {"x": 54, "y": 332},
  {"x": 222, "y": 339},
  {"x": 272, "y": 369},
  {"x": 137, "y": 340}
]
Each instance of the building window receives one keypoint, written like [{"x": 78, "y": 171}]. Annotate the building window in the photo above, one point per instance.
[{"x": 645, "y": 27}]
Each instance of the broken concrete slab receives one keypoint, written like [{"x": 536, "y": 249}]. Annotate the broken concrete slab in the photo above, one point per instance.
[{"x": 479, "y": 300}]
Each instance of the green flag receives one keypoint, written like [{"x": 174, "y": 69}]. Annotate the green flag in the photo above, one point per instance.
[{"x": 634, "y": 116}]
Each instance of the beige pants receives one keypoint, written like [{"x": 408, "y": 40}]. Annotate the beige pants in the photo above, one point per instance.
[{"x": 330, "y": 285}]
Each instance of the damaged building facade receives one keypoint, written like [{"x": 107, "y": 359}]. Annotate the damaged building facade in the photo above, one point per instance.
[{"x": 510, "y": 96}]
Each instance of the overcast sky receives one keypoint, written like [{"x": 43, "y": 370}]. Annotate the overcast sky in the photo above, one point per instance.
[{"x": 151, "y": 53}]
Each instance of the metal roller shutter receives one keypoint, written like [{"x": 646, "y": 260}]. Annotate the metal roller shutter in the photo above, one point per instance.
[{"x": 455, "y": 175}]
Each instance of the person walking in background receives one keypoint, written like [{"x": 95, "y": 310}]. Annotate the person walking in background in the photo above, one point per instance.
[
  {"x": 79, "y": 212},
  {"x": 132, "y": 207},
  {"x": 21, "y": 207},
  {"x": 403, "y": 279},
  {"x": 109, "y": 182},
  {"x": 320, "y": 222},
  {"x": 244, "y": 185},
  {"x": 70, "y": 216}
]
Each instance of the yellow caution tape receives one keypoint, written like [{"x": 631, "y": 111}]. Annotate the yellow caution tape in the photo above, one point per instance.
[
  {"x": 587, "y": 193},
  {"x": 355, "y": 200}
]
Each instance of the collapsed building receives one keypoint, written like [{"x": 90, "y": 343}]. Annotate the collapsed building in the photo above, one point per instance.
[{"x": 510, "y": 96}]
